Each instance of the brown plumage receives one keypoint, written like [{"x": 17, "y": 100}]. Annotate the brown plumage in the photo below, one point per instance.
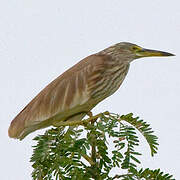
[{"x": 74, "y": 93}]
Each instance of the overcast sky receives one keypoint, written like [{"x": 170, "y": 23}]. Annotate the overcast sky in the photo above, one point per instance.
[{"x": 41, "y": 39}]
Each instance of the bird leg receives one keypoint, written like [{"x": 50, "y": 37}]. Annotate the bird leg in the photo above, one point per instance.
[{"x": 90, "y": 114}]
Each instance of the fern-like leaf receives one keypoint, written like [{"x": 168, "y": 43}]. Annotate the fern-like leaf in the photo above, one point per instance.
[{"x": 145, "y": 129}]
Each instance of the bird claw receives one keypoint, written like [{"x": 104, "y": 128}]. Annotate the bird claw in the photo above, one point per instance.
[{"x": 90, "y": 114}]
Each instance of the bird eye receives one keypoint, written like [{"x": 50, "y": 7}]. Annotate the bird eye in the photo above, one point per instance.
[{"x": 135, "y": 48}]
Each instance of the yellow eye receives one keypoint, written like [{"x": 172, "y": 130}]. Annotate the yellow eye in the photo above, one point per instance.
[{"x": 136, "y": 48}]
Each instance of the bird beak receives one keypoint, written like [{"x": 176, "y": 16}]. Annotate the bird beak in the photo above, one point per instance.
[{"x": 150, "y": 53}]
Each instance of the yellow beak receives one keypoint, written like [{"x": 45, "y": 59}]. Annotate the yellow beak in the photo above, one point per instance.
[{"x": 150, "y": 53}]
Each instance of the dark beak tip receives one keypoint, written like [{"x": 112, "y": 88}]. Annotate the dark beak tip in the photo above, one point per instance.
[{"x": 169, "y": 54}]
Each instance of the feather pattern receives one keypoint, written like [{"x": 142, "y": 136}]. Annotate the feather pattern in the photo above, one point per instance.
[{"x": 67, "y": 95}]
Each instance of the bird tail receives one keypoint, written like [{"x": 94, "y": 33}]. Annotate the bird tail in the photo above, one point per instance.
[
  {"x": 16, "y": 127},
  {"x": 18, "y": 130},
  {"x": 20, "y": 127}
]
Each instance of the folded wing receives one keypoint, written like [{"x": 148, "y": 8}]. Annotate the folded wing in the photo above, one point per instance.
[{"x": 63, "y": 94}]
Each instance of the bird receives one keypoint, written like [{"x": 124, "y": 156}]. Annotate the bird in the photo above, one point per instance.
[{"x": 73, "y": 94}]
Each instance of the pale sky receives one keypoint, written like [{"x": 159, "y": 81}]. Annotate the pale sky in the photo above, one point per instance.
[{"x": 41, "y": 39}]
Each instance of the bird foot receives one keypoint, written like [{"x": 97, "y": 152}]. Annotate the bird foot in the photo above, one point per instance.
[{"x": 90, "y": 114}]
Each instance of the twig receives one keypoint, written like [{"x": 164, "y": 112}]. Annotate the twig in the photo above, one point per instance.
[
  {"x": 82, "y": 122},
  {"x": 120, "y": 176},
  {"x": 89, "y": 159},
  {"x": 93, "y": 151}
]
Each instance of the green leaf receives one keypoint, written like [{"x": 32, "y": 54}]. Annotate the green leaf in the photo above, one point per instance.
[{"x": 93, "y": 151}]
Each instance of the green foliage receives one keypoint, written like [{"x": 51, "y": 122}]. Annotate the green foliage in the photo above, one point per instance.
[
  {"x": 144, "y": 129},
  {"x": 93, "y": 150}
]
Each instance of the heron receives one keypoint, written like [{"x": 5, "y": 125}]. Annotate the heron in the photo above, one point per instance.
[{"x": 73, "y": 94}]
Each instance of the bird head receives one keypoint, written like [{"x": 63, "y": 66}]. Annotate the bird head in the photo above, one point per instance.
[{"x": 127, "y": 52}]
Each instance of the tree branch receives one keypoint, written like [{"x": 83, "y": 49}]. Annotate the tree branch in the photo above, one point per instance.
[
  {"x": 82, "y": 122},
  {"x": 89, "y": 159},
  {"x": 123, "y": 175}
]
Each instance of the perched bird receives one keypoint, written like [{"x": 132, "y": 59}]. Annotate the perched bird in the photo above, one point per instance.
[{"x": 75, "y": 92}]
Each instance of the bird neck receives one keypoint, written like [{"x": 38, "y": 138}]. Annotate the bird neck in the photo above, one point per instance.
[{"x": 111, "y": 51}]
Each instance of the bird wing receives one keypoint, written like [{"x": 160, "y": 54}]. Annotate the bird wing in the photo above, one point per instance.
[{"x": 63, "y": 94}]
